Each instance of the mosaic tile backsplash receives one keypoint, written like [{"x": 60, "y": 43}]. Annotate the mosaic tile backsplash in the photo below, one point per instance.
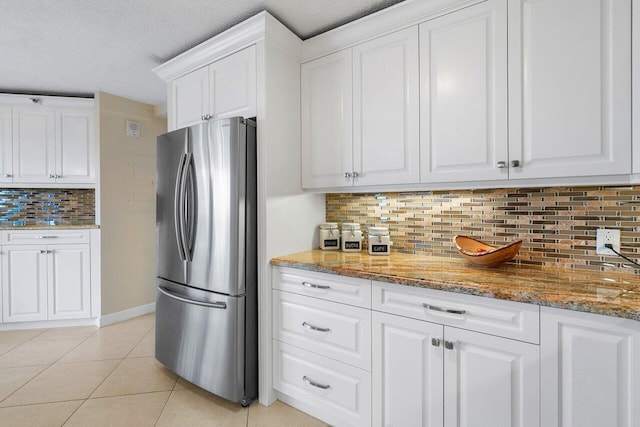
[
  {"x": 557, "y": 225},
  {"x": 40, "y": 206}
]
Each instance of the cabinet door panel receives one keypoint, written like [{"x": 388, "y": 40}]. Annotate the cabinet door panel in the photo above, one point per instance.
[
  {"x": 33, "y": 144},
  {"x": 6, "y": 140},
  {"x": 386, "y": 110},
  {"x": 74, "y": 156},
  {"x": 189, "y": 99},
  {"x": 570, "y": 87},
  {"x": 24, "y": 286},
  {"x": 463, "y": 89},
  {"x": 590, "y": 374},
  {"x": 490, "y": 381},
  {"x": 326, "y": 98},
  {"x": 69, "y": 282},
  {"x": 233, "y": 85},
  {"x": 406, "y": 372}
]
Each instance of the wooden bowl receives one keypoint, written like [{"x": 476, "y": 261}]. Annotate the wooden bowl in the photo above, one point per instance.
[{"x": 481, "y": 254}]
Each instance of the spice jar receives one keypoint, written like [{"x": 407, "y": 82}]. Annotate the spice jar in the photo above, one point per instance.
[
  {"x": 379, "y": 241},
  {"x": 351, "y": 237},
  {"x": 329, "y": 236}
]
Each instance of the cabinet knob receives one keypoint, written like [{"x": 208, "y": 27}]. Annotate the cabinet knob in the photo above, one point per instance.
[
  {"x": 515, "y": 163},
  {"x": 501, "y": 164},
  {"x": 448, "y": 345},
  {"x": 347, "y": 175},
  {"x": 42, "y": 251},
  {"x": 356, "y": 174},
  {"x": 435, "y": 342},
  {"x": 7, "y": 175}
]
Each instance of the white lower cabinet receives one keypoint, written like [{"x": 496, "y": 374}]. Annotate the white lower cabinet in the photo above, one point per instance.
[
  {"x": 590, "y": 372},
  {"x": 69, "y": 282},
  {"x": 426, "y": 374},
  {"x": 24, "y": 283}
]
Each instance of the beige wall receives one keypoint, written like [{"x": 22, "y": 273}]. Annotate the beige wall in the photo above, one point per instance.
[{"x": 126, "y": 202}]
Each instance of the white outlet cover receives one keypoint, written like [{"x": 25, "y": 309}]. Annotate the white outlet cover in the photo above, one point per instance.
[{"x": 607, "y": 235}]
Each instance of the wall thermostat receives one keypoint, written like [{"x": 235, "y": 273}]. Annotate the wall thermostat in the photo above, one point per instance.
[{"x": 133, "y": 129}]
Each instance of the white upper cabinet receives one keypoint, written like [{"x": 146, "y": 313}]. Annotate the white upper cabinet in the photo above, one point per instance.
[
  {"x": 226, "y": 88},
  {"x": 386, "y": 107},
  {"x": 463, "y": 94},
  {"x": 569, "y": 87},
  {"x": 34, "y": 144},
  {"x": 75, "y": 146},
  {"x": 6, "y": 141},
  {"x": 327, "y": 153}
]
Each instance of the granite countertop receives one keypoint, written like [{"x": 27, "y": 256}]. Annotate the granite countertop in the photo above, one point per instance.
[
  {"x": 46, "y": 226},
  {"x": 611, "y": 294}
]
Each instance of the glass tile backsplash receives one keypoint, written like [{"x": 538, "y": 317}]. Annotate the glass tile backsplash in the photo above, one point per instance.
[
  {"x": 45, "y": 206},
  {"x": 557, "y": 225}
]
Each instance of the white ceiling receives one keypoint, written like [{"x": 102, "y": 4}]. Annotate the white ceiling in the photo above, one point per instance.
[{"x": 78, "y": 47}]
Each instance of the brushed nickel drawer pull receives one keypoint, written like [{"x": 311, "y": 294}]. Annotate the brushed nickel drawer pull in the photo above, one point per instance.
[
  {"x": 313, "y": 285},
  {"x": 46, "y": 237},
  {"x": 315, "y": 384},
  {"x": 443, "y": 310},
  {"x": 315, "y": 328}
]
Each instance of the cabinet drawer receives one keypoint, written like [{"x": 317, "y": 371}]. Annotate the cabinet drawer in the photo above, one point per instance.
[
  {"x": 329, "y": 287},
  {"x": 45, "y": 237},
  {"x": 338, "y": 331},
  {"x": 333, "y": 388},
  {"x": 496, "y": 317}
]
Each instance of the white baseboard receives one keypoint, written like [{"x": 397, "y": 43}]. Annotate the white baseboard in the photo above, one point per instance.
[
  {"x": 130, "y": 313},
  {"x": 46, "y": 324}
]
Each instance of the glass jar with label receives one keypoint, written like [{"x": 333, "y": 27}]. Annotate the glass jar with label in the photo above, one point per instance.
[
  {"x": 351, "y": 237},
  {"x": 379, "y": 241},
  {"x": 329, "y": 236}
]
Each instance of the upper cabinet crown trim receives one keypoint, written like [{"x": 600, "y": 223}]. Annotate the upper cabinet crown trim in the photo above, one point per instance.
[{"x": 394, "y": 18}]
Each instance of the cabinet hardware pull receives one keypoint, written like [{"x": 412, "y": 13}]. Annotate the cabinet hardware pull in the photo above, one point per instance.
[
  {"x": 51, "y": 175},
  {"x": 46, "y": 237},
  {"x": 443, "y": 310},
  {"x": 315, "y": 328},
  {"x": 7, "y": 175},
  {"x": 347, "y": 175},
  {"x": 313, "y": 285},
  {"x": 42, "y": 251},
  {"x": 448, "y": 345},
  {"x": 501, "y": 165},
  {"x": 515, "y": 163},
  {"x": 315, "y": 384},
  {"x": 435, "y": 342},
  {"x": 356, "y": 174}
]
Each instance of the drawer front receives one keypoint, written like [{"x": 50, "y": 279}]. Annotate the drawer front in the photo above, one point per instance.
[
  {"x": 338, "y": 331},
  {"x": 341, "y": 391},
  {"x": 331, "y": 287},
  {"x": 45, "y": 237},
  {"x": 496, "y": 317}
]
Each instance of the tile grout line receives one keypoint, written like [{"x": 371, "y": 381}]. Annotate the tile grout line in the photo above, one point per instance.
[{"x": 166, "y": 401}]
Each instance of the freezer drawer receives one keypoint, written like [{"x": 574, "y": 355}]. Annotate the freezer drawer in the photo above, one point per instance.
[{"x": 201, "y": 337}]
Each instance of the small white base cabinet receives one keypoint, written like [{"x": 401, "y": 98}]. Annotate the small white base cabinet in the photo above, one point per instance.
[
  {"x": 590, "y": 371},
  {"x": 46, "y": 275}
]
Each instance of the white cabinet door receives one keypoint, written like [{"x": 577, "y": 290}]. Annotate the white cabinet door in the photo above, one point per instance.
[
  {"x": 24, "y": 283},
  {"x": 69, "y": 282},
  {"x": 232, "y": 84},
  {"x": 189, "y": 99},
  {"x": 386, "y": 108},
  {"x": 569, "y": 87},
  {"x": 407, "y": 372},
  {"x": 6, "y": 141},
  {"x": 74, "y": 145},
  {"x": 326, "y": 103},
  {"x": 490, "y": 381},
  {"x": 463, "y": 94},
  {"x": 34, "y": 142},
  {"x": 590, "y": 373}
]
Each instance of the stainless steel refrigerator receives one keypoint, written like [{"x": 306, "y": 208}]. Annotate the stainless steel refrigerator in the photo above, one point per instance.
[{"x": 206, "y": 312}]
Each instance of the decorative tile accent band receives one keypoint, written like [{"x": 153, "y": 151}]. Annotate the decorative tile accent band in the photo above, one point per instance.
[
  {"x": 45, "y": 206},
  {"x": 557, "y": 225}
]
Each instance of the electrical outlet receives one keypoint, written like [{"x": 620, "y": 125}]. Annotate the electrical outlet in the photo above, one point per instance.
[{"x": 604, "y": 236}]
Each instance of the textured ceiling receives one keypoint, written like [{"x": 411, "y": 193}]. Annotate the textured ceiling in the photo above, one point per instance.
[{"x": 78, "y": 47}]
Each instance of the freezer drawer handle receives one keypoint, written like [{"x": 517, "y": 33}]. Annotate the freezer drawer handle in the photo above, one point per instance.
[
  {"x": 315, "y": 328},
  {"x": 217, "y": 304},
  {"x": 315, "y": 384},
  {"x": 443, "y": 310},
  {"x": 313, "y": 285}
]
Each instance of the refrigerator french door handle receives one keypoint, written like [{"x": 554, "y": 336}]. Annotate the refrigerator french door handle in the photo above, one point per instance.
[
  {"x": 183, "y": 206},
  {"x": 191, "y": 208},
  {"x": 217, "y": 304},
  {"x": 177, "y": 208}
]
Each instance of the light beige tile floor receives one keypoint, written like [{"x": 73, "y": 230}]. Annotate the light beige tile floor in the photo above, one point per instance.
[{"x": 88, "y": 376}]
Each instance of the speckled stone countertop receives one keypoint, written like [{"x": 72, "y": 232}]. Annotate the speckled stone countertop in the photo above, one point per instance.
[
  {"x": 589, "y": 291},
  {"x": 46, "y": 227}
]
